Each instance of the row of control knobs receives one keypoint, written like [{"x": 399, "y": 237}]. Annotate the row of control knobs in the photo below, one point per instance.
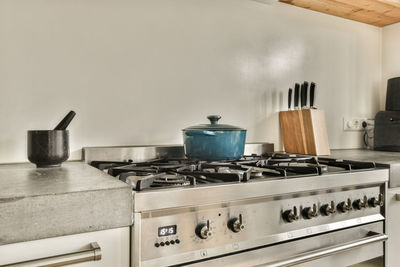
[
  {"x": 328, "y": 209},
  {"x": 235, "y": 224}
]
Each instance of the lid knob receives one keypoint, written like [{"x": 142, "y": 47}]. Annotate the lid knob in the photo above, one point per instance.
[{"x": 214, "y": 118}]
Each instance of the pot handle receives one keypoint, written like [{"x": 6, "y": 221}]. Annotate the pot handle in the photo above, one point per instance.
[
  {"x": 199, "y": 132},
  {"x": 214, "y": 118}
]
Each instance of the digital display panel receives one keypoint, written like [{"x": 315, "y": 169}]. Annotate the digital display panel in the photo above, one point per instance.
[{"x": 167, "y": 230}]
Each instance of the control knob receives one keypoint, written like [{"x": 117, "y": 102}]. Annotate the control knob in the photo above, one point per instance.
[
  {"x": 328, "y": 209},
  {"x": 344, "y": 206},
  {"x": 290, "y": 215},
  {"x": 203, "y": 230},
  {"x": 236, "y": 224},
  {"x": 373, "y": 202},
  {"x": 360, "y": 203},
  {"x": 309, "y": 213}
]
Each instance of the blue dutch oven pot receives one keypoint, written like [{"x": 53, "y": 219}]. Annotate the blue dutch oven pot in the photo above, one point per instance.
[{"x": 214, "y": 141}]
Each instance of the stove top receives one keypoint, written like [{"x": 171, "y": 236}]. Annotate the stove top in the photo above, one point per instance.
[
  {"x": 169, "y": 172},
  {"x": 187, "y": 211}
]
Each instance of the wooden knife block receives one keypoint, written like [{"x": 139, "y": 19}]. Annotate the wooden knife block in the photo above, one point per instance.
[{"x": 304, "y": 132}]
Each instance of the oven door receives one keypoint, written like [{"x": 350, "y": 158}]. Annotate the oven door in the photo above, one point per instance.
[{"x": 340, "y": 248}]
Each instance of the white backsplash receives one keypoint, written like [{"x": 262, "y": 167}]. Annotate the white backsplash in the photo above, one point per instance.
[{"x": 137, "y": 72}]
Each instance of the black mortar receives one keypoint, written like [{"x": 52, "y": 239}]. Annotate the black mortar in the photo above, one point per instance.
[{"x": 48, "y": 148}]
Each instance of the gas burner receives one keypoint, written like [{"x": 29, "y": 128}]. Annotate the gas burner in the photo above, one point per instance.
[
  {"x": 282, "y": 159},
  {"x": 141, "y": 182},
  {"x": 171, "y": 180},
  {"x": 181, "y": 172},
  {"x": 289, "y": 157},
  {"x": 256, "y": 174}
]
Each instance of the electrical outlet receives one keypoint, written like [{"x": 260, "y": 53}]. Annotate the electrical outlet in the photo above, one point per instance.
[{"x": 354, "y": 124}]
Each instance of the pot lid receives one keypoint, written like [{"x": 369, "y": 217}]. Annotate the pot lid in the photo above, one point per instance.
[{"x": 214, "y": 125}]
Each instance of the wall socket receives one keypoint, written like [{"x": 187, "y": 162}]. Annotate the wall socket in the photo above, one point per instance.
[{"x": 354, "y": 124}]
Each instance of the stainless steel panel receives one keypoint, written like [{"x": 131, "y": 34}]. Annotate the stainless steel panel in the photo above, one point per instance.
[
  {"x": 206, "y": 195},
  {"x": 258, "y": 148},
  {"x": 262, "y": 219},
  {"x": 325, "y": 252},
  {"x": 135, "y": 153},
  {"x": 143, "y": 153},
  {"x": 270, "y": 255}
]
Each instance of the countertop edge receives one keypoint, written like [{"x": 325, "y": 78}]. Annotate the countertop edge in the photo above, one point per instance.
[{"x": 48, "y": 216}]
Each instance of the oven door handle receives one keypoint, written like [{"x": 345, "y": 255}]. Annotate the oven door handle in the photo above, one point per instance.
[{"x": 372, "y": 237}]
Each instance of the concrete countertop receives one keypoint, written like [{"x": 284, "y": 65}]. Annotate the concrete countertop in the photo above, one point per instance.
[
  {"x": 382, "y": 158},
  {"x": 76, "y": 198}
]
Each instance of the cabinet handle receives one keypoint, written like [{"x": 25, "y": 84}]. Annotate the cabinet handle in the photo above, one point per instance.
[{"x": 93, "y": 253}]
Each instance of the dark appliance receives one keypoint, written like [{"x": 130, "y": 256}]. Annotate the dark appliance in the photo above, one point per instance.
[{"x": 387, "y": 123}]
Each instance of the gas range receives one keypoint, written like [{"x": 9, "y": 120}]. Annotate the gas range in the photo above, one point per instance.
[
  {"x": 167, "y": 172},
  {"x": 269, "y": 209}
]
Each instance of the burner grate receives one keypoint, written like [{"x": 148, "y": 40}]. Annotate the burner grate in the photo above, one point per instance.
[
  {"x": 182, "y": 172},
  {"x": 348, "y": 165}
]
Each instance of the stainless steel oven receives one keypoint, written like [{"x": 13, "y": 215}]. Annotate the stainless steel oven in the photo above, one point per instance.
[
  {"x": 268, "y": 209},
  {"x": 342, "y": 248},
  {"x": 335, "y": 221}
]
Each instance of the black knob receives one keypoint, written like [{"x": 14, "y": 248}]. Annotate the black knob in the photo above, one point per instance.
[
  {"x": 203, "y": 230},
  {"x": 162, "y": 244},
  {"x": 373, "y": 202},
  {"x": 235, "y": 224},
  {"x": 360, "y": 203},
  {"x": 172, "y": 242},
  {"x": 156, "y": 245},
  {"x": 167, "y": 243},
  {"x": 309, "y": 213},
  {"x": 344, "y": 206},
  {"x": 177, "y": 241},
  {"x": 328, "y": 209},
  {"x": 290, "y": 215}
]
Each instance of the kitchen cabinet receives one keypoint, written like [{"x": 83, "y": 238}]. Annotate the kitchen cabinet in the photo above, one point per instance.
[
  {"x": 113, "y": 245},
  {"x": 393, "y": 228}
]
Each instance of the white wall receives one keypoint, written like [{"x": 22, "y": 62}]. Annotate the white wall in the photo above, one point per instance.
[
  {"x": 138, "y": 71},
  {"x": 390, "y": 55}
]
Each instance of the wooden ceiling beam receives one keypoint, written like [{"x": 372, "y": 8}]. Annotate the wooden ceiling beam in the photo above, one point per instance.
[
  {"x": 395, "y": 3},
  {"x": 375, "y": 12},
  {"x": 376, "y": 6}
]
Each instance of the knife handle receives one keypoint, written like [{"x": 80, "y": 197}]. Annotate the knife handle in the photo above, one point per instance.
[
  {"x": 312, "y": 92},
  {"x": 296, "y": 95},
  {"x": 302, "y": 96},
  {"x": 305, "y": 93},
  {"x": 290, "y": 98}
]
